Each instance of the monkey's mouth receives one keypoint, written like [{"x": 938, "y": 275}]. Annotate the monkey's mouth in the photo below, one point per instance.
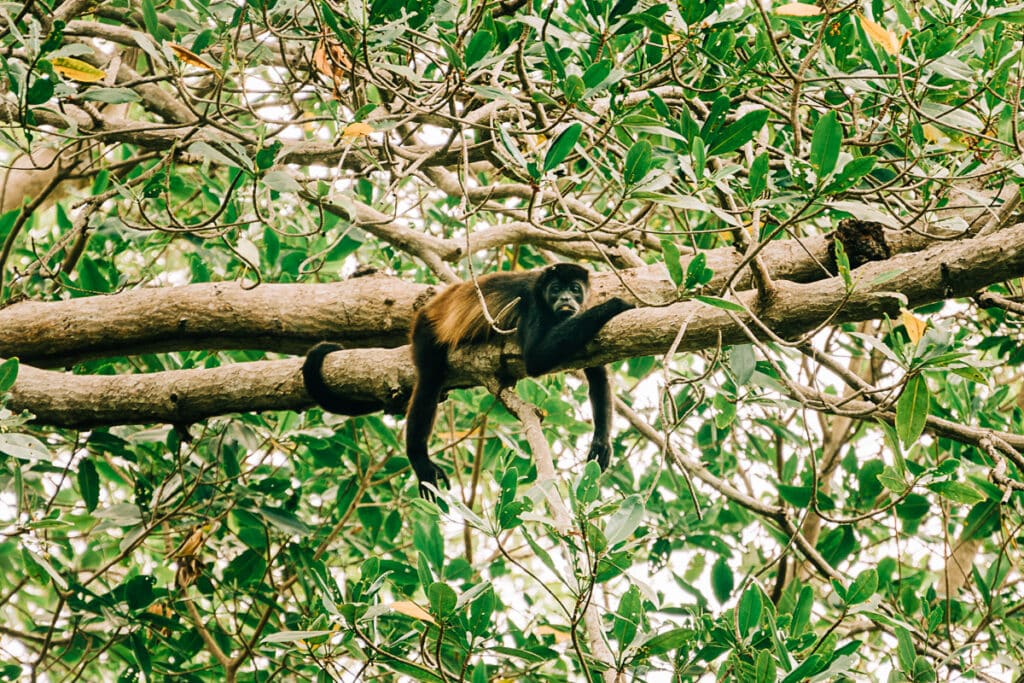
[{"x": 566, "y": 308}]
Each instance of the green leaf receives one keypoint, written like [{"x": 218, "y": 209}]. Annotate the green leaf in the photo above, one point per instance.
[
  {"x": 427, "y": 539},
  {"x": 868, "y": 484},
  {"x": 588, "y": 488},
  {"x": 825, "y": 144},
  {"x": 266, "y": 157},
  {"x": 40, "y": 91},
  {"x": 722, "y": 581},
  {"x": 759, "y": 175},
  {"x": 797, "y": 496},
  {"x": 8, "y": 373},
  {"x": 851, "y": 174},
  {"x": 150, "y": 19},
  {"x": 725, "y": 410},
  {"x": 672, "y": 261},
  {"x": 573, "y": 88},
  {"x": 802, "y": 612},
  {"x": 511, "y": 147},
  {"x": 837, "y": 544},
  {"x": 442, "y": 599},
  {"x": 138, "y": 591},
  {"x": 282, "y": 181},
  {"x": 481, "y": 611},
  {"x": 89, "y": 483},
  {"x": 667, "y": 641},
  {"x": 810, "y": 666},
  {"x": 24, "y": 447},
  {"x": 721, "y": 303},
  {"x": 863, "y": 587},
  {"x": 624, "y": 521},
  {"x": 554, "y": 61},
  {"x": 957, "y": 492},
  {"x": 284, "y": 520},
  {"x": 912, "y": 410},
  {"x": 111, "y": 95},
  {"x": 923, "y": 672},
  {"x": 842, "y": 263},
  {"x": 293, "y": 636},
  {"x": 479, "y": 45},
  {"x": 764, "y": 668},
  {"x": 596, "y": 74},
  {"x": 697, "y": 272},
  {"x": 698, "y": 153},
  {"x": 205, "y": 150},
  {"x": 742, "y": 362},
  {"x": 914, "y": 507},
  {"x": 90, "y": 277},
  {"x": 415, "y": 672},
  {"x": 508, "y": 508},
  {"x": 627, "y": 618},
  {"x": 562, "y": 145},
  {"x": 141, "y": 653},
  {"x": 638, "y": 163},
  {"x": 748, "y": 612},
  {"x": 905, "y": 653},
  {"x": 737, "y": 134}
]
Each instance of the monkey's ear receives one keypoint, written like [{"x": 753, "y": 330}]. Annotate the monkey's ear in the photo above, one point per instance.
[{"x": 568, "y": 271}]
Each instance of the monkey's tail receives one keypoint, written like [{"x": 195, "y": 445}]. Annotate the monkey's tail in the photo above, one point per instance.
[{"x": 325, "y": 397}]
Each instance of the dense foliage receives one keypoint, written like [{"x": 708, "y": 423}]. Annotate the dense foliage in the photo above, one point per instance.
[{"x": 838, "y": 500}]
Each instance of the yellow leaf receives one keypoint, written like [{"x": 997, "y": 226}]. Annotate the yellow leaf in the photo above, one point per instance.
[
  {"x": 191, "y": 545},
  {"x": 330, "y": 59},
  {"x": 561, "y": 635},
  {"x": 915, "y": 326},
  {"x": 411, "y": 609},
  {"x": 77, "y": 70},
  {"x": 189, "y": 57},
  {"x": 882, "y": 37},
  {"x": 798, "y": 9},
  {"x": 357, "y": 130},
  {"x": 933, "y": 134}
]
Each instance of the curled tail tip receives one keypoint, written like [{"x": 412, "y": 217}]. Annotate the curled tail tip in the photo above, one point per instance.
[
  {"x": 322, "y": 394},
  {"x": 312, "y": 371}
]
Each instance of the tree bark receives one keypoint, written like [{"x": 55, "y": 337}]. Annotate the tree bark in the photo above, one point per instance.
[
  {"x": 361, "y": 312},
  {"x": 945, "y": 270}
]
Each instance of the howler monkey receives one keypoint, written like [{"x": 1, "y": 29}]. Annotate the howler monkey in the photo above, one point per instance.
[{"x": 546, "y": 307}]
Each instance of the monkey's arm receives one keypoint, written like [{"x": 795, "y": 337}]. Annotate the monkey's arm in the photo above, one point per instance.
[
  {"x": 543, "y": 349},
  {"x": 600, "y": 389},
  {"x": 325, "y": 397}
]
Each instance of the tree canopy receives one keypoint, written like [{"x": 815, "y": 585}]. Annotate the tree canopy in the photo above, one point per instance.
[{"x": 819, "y": 459}]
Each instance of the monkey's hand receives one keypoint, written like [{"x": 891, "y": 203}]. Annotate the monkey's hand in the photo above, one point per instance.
[
  {"x": 615, "y": 305},
  {"x": 601, "y": 451},
  {"x": 434, "y": 476}
]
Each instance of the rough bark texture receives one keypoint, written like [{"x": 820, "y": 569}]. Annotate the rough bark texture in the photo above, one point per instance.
[
  {"x": 361, "y": 312},
  {"x": 943, "y": 271}
]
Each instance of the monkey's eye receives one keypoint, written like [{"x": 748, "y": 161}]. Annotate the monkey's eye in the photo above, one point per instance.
[{"x": 575, "y": 288}]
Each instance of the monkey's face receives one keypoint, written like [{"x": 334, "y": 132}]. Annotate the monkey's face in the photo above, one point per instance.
[{"x": 564, "y": 298}]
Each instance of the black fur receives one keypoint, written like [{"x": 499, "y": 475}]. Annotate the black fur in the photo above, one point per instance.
[
  {"x": 325, "y": 397},
  {"x": 547, "y": 338},
  {"x": 552, "y": 326}
]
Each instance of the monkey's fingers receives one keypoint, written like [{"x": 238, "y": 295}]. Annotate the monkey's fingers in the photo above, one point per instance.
[
  {"x": 601, "y": 452},
  {"x": 432, "y": 479}
]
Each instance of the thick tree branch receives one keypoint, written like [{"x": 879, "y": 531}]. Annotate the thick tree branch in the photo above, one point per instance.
[
  {"x": 946, "y": 270},
  {"x": 365, "y": 311},
  {"x": 289, "y": 318}
]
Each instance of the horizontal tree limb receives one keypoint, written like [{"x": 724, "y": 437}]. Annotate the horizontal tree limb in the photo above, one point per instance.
[
  {"x": 361, "y": 312},
  {"x": 945, "y": 270}
]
